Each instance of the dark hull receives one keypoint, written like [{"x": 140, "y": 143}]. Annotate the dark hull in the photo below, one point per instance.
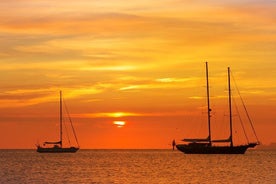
[
  {"x": 191, "y": 149},
  {"x": 57, "y": 150}
]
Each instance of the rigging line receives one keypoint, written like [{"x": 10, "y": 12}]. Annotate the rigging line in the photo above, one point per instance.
[
  {"x": 241, "y": 121},
  {"x": 247, "y": 114},
  {"x": 67, "y": 134},
  {"x": 74, "y": 132}
]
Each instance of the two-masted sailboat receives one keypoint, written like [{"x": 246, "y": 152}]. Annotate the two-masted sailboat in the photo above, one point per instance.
[
  {"x": 206, "y": 145},
  {"x": 57, "y": 147}
]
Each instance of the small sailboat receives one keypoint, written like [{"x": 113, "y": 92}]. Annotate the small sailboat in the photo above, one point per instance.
[
  {"x": 57, "y": 147},
  {"x": 206, "y": 145}
]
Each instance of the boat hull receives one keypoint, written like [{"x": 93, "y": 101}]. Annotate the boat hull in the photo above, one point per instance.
[
  {"x": 188, "y": 149},
  {"x": 57, "y": 150}
]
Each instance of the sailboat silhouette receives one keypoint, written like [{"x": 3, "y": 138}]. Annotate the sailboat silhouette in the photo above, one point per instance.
[
  {"x": 58, "y": 145},
  {"x": 205, "y": 145}
]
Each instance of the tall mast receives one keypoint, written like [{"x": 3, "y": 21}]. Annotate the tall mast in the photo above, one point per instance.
[
  {"x": 208, "y": 104},
  {"x": 230, "y": 108},
  {"x": 60, "y": 116}
]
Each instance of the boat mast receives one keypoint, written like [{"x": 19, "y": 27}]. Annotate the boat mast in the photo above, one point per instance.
[
  {"x": 60, "y": 116},
  {"x": 230, "y": 108},
  {"x": 208, "y": 105}
]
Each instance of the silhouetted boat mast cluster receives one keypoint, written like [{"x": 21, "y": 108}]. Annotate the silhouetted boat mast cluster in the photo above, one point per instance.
[{"x": 205, "y": 146}]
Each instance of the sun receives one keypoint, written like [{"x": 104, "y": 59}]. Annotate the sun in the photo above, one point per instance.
[{"x": 119, "y": 124}]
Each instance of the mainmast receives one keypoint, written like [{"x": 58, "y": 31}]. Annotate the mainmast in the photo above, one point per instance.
[
  {"x": 208, "y": 105},
  {"x": 230, "y": 108},
  {"x": 60, "y": 116}
]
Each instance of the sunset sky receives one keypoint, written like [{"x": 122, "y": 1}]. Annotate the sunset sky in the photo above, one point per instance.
[{"x": 133, "y": 72}]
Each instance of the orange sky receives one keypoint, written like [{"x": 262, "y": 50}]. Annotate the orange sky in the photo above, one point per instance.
[{"x": 141, "y": 62}]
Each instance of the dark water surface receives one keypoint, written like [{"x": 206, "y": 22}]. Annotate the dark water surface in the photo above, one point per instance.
[{"x": 136, "y": 166}]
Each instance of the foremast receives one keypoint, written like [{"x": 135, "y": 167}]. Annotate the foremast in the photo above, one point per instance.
[
  {"x": 60, "y": 117},
  {"x": 230, "y": 108},
  {"x": 208, "y": 140},
  {"x": 208, "y": 105}
]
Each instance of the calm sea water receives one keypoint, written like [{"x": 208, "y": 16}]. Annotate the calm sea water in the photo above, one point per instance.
[{"x": 136, "y": 166}]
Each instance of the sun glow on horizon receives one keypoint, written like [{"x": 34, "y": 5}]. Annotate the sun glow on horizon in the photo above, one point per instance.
[{"x": 119, "y": 124}]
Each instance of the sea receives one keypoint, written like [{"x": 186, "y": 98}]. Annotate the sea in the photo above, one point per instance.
[{"x": 136, "y": 167}]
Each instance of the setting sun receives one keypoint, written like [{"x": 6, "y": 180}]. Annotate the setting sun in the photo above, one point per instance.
[{"x": 119, "y": 124}]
